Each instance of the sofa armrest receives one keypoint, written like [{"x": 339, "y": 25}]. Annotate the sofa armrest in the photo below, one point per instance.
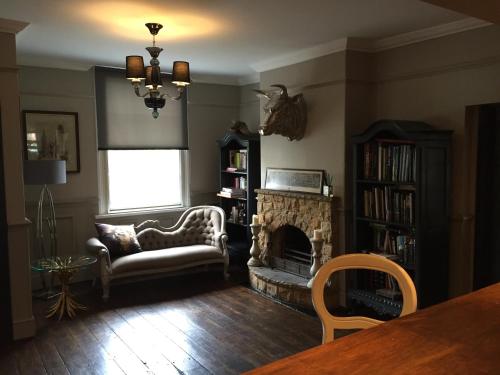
[
  {"x": 98, "y": 249},
  {"x": 220, "y": 240}
]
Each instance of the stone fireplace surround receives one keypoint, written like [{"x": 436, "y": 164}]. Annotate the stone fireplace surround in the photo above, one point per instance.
[{"x": 306, "y": 212}]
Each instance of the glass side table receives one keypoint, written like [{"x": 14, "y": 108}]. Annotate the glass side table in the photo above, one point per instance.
[{"x": 64, "y": 267}]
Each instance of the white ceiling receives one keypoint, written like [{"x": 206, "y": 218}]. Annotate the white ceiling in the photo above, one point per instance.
[{"x": 221, "y": 38}]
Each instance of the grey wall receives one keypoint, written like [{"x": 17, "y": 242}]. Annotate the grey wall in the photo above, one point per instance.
[
  {"x": 435, "y": 81},
  {"x": 432, "y": 81},
  {"x": 250, "y": 106},
  {"x": 322, "y": 81},
  {"x": 23, "y": 322},
  {"x": 211, "y": 108}
]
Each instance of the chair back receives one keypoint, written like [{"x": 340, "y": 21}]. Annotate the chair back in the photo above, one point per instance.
[{"x": 358, "y": 261}]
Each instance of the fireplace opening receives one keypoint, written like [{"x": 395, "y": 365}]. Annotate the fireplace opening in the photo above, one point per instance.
[{"x": 291, "y": 250}]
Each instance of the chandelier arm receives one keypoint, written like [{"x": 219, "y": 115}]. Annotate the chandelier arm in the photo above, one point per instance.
[
  {"x": 138, "y": 93},
  {"x": 180, "y": 91}
]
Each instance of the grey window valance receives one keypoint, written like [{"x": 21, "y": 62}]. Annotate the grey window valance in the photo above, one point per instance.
[{"x": 124, "y": 122}]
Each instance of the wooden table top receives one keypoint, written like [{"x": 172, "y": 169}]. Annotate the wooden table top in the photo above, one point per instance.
[{"x": 459, "y": 336}]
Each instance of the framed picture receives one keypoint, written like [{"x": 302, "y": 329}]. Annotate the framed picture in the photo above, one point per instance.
[
  {"x": 52, "y": 135},
  {"x": 301, "y": 180}
]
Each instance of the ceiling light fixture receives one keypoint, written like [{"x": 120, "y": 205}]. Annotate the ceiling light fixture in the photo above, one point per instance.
[{"x": 136, "y": 73}]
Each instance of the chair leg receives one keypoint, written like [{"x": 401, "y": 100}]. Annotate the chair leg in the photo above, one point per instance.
[{"x": 226, "y": 274}]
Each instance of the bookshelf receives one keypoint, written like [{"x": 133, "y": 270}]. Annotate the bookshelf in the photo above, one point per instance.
[
  {"x": 239, "y": 177},
  {"x": 401, "y": 184}
]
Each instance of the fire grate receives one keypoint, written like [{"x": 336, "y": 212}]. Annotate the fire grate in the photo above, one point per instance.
[{"x": 294, "y": 267}]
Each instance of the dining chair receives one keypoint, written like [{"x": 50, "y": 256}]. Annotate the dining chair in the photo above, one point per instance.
[{"x": 358, "y": 261}]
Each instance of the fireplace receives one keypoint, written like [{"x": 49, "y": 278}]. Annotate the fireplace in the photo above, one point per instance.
[
  {"x": 288, "y": 222},
  {"x": 291, "y": 251}
]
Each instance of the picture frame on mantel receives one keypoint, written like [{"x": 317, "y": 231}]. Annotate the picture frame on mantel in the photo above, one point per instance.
[
  {"x": 51, "y": 135},
  {"x": 297, "y": 180}
]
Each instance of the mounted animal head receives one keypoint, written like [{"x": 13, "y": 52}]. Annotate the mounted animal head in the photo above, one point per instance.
[{"x": 284, "y": 115}]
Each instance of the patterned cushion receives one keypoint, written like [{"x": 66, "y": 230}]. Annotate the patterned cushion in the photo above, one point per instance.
[{"x": 119, "y": 239}]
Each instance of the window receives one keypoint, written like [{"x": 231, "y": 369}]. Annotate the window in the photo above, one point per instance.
[{"x": 144, "y": 179}]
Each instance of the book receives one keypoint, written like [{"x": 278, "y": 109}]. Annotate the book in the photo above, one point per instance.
[
  {"x": 227, "y": 194},
  {"x": 243, "y": 159},
  {"x": 233, "y": 190}
]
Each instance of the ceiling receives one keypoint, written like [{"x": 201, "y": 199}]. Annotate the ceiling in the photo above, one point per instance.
[{"x": 220, "y": 38}]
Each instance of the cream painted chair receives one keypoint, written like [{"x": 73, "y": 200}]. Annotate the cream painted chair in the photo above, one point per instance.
[{"x": 358, "y": 261}]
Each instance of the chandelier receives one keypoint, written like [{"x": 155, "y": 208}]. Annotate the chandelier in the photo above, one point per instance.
[{"x": 136, "y": 73}]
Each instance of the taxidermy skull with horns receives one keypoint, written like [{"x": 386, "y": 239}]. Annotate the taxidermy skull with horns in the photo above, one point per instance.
[{"x": 284, "y": 115}]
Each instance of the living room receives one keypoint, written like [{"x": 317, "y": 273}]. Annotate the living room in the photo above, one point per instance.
[{"x": 360, "y": 63}]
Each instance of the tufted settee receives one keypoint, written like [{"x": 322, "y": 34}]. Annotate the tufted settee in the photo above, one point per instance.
[{"x": 198, "y": 238}]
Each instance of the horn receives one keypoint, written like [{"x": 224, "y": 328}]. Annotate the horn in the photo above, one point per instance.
[
  {"x": 283, "y": 89},
  {"x": 262, "y": 93}
]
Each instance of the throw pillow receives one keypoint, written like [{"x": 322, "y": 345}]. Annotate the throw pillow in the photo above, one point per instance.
[{"x": 119, "y": 239}]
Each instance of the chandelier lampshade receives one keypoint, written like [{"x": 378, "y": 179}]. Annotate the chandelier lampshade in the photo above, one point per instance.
[
  {"x": 135, "y": 68},
  {"x": 136, "y": 73},
  {"x": 180, "y": 73}
]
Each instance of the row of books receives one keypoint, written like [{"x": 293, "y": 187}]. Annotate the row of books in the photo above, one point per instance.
[
  {"x": 394, "y": 245},
  {"x": 388, "y": 204},
  {"x": 237, "y": 160},
  {"x": 389, "y": 162}
]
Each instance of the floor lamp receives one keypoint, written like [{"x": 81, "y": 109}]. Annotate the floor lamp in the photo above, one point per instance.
[{"x": 45, "y": 172}]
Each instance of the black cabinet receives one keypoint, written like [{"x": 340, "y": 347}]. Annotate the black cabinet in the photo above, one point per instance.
[
  {"x": 239, "y": 177},
  {"x": 401, "y": 209}
]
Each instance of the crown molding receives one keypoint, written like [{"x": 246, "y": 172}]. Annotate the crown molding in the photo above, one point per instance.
[
  {"x": 12, "y": 26},
  {"x": 369, "y": 45},
  {"x": 249, "y": 79},
  {"x": 434, "y": 32},
  {"x": 301, "y": 55},
  {"x": 215, "y": 79}
]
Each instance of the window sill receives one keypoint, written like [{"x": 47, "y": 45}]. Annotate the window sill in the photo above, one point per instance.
[{"x": 141, "y": 213}]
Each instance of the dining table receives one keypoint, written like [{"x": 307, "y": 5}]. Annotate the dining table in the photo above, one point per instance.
[{"x": 458, "y": 336}]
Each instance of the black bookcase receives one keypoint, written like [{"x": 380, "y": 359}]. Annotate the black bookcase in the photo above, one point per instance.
[
  {"x": 401, "y": 209},
  {"x": 239, "y": 229}
]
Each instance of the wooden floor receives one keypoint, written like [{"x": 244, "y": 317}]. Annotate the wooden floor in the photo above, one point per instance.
[{"x": 189, "y": 325}]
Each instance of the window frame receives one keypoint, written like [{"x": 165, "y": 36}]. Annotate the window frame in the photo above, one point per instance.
[{"x": 104, "y": 210}]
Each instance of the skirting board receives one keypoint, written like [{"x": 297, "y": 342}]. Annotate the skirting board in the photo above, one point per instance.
[{"x": 22, "y": 329}]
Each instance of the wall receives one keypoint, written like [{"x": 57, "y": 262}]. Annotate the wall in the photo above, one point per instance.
[
  {"x": 211, "y": 108},
  {"x": 434, "y": 81},
  {"x": 322, "y": 81},
  {"x": 431, "y": 81},
  {"x": 250, "y": 106},
  {"x": 23, "y": 323}
]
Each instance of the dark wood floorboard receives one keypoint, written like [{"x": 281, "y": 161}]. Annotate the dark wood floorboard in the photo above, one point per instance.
[{"x": 184, "y": 325}]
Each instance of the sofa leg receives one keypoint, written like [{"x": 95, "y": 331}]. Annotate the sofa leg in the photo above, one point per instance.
[
  {"x": 105, "y": 294},
  {"x": 105, "y": 291},
  {"x": 226, "y": 274}
]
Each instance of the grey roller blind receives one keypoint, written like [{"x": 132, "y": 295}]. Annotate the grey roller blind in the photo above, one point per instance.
[{"x": 125, "y": 123}]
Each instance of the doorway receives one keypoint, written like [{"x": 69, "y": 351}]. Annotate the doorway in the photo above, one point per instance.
[{"x": 487, "y": 240}]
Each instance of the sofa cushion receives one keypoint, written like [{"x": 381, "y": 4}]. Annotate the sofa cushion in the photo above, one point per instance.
[
  {"x": 164, "y": 258},
  {"x": 119, "y": 239}
]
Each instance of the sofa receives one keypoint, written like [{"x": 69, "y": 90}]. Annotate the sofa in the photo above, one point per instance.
[{"x": 197, "y": 239}]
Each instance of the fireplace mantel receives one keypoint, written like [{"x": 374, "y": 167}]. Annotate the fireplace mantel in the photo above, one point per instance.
[{"x": 295, "y": 194}]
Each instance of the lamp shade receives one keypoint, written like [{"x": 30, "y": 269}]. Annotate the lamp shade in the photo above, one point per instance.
[
  {"x": 135, "y": 68},
  {"x": 180, "y": 73},
  {"x": 44, "y": 172},
  {"x": 153, "y": 77}
]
